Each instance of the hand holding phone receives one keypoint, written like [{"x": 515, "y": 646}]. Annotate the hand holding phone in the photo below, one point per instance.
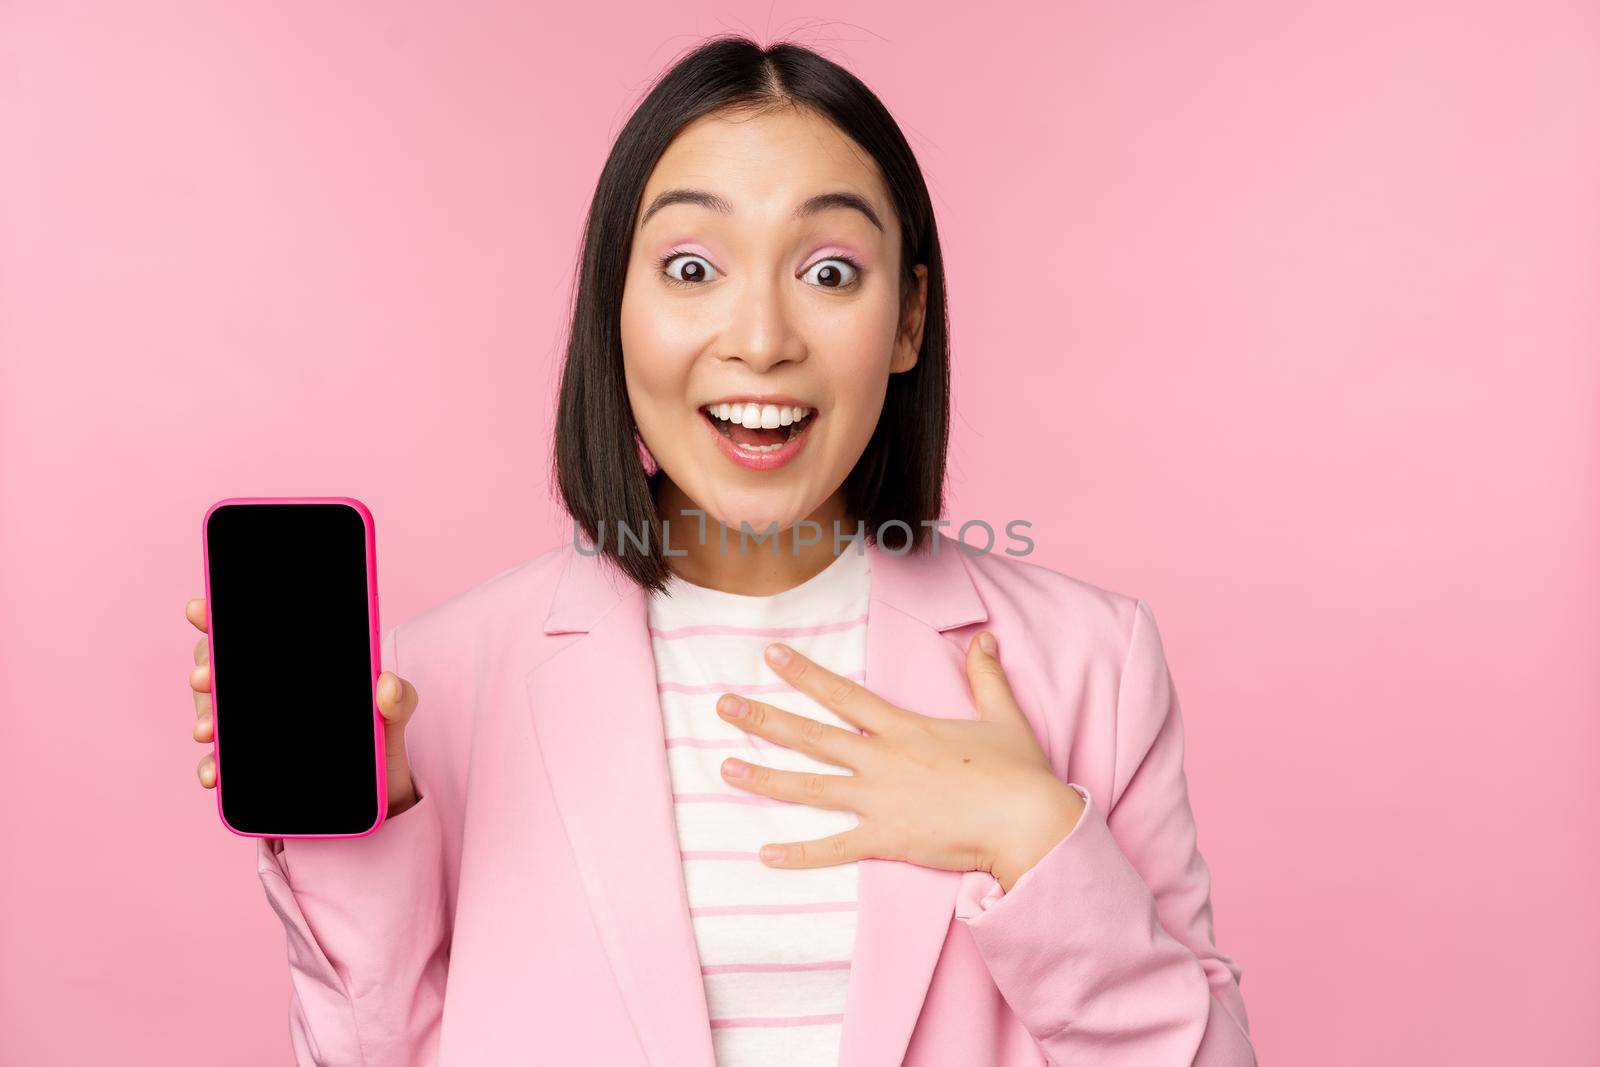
[
  {"x": 308, "y": 735},
  {"x": 397, "y": 700}
]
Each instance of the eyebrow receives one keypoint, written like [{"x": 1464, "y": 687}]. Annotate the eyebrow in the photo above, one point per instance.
[{"x": 813, "y": 206}]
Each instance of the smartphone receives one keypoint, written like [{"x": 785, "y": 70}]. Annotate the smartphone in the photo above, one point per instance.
[{"x": 292, "y": 624}]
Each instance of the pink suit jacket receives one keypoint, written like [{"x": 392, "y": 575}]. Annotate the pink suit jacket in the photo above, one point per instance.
[{"x": 530, "y": 908}]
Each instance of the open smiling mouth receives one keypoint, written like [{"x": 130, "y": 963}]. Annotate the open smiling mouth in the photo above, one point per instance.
[{"x": 759, "y": 428}]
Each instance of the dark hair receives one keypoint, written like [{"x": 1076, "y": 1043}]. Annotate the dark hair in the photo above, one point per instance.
[{"x": 598, "y": 467}]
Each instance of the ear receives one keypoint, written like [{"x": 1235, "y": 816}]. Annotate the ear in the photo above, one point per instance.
[{"x": 908, "y": 345}]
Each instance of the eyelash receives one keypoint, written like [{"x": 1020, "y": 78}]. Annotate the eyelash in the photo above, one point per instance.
[{"x": 661, "y": 268}]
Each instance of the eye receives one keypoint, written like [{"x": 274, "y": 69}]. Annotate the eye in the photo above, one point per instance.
[
  {"x": 831, "y": 277},
  {"x": 694, "y": 270}
]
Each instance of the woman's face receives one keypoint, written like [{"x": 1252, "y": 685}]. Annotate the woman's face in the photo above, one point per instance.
[{"x": 745, "y": 292}]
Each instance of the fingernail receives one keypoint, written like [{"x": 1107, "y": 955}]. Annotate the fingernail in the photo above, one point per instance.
[
  {"x": 734, "y": 768},
  {"x": 777, "y": 655},
  {"x": 732, "y": 707},
  {"x": 986, "y": 642},
  {"x": 772, "y": 852},
  {"x": 397, "y": 690}
]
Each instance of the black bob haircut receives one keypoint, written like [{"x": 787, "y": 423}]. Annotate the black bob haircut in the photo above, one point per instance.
[{"x": 598, "y": 467}]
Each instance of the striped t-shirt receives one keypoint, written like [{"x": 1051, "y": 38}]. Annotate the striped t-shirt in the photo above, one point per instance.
[{"x": 775, "y": 944}]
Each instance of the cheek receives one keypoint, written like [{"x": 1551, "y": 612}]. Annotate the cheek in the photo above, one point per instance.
[
  {"x": 862, "y": 332},
  {"x": 656, "y": 323},
  {"x": 652, "y": 331},
  {"x": 861, "y": 349},
  {"x": 656, "y": 356}
]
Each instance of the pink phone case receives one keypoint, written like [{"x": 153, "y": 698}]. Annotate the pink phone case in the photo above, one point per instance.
[{"x": 375, "y": 637}]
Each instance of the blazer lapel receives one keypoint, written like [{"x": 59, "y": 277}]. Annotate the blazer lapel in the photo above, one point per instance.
[
  {"x": 598, "y": 720},
  {"x": 905, "y": 910},
  {"x": 597, "y": 716}
]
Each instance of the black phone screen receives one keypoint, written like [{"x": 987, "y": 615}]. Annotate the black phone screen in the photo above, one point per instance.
[{"x": 292, "y": 630}]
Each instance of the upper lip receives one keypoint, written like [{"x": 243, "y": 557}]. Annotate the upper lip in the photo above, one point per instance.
[{"x": 777, "y": 399}]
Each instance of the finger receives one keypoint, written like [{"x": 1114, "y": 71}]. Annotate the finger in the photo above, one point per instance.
[
  {"x": 836, "y": 792},
  {"x": 397, "y": 698},
  {"x": 855, "y": 704},
  {"x": 990, "y": 689},
  {"x": 823, "y": 852},
  {"x": 204, "y": 730},
  {"x": 207, "y": 771},
  {"x": 799, "y": 732},
  {"x": 202, "y": 695}
]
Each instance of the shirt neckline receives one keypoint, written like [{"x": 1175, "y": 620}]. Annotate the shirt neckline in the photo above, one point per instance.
[{"x": 834, "y": 590}]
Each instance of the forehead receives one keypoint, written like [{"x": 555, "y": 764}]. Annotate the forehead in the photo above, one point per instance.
[{"x": 764, "y": 164}]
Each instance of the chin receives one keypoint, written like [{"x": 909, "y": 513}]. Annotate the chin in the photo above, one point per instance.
[{"x": 758, "y": 514}]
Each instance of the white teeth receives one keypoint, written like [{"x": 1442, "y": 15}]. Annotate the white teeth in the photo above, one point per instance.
[{"x": 759, "y": 416}]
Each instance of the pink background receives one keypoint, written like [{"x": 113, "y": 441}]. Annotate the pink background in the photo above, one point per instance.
[{"x": 1281, "y": 317}]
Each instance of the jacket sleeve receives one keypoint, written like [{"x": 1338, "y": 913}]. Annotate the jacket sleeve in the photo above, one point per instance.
[
  {"x": 368, "y": 935},
  {"x": 1104, "y": 948}
]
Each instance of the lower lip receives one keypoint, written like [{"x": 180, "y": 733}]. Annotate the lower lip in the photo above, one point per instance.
[{"x": 759, "y": 461}]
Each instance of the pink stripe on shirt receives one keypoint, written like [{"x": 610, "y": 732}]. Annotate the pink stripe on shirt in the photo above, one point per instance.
[{"x": 774, "y": 943}]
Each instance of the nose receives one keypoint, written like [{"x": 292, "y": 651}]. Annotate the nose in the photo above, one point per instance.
[{"x": 761, "y": 333}]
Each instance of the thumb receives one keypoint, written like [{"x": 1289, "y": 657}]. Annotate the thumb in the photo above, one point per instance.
[
  {"x": 990, "y": 690},
  {"x": 397, "y": 699}
]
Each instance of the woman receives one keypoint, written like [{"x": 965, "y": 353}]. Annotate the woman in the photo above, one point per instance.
[{"x": 972, "y": 764}]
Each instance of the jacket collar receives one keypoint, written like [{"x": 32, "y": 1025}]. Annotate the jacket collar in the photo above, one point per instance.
[
  {"x": 595, "y": 710},
  {"x": 932, "y": 586}
]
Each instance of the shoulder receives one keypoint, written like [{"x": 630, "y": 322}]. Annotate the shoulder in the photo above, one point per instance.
[
  {"x": 1087, "y": 658},
  {"x": 503, "y": 607},
  {"x": 1092, "y": 656},
  {"x": 1068, "y": 612}
]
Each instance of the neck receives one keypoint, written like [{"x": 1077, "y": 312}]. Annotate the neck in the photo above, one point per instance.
[{"x": 721, "y": 560}]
